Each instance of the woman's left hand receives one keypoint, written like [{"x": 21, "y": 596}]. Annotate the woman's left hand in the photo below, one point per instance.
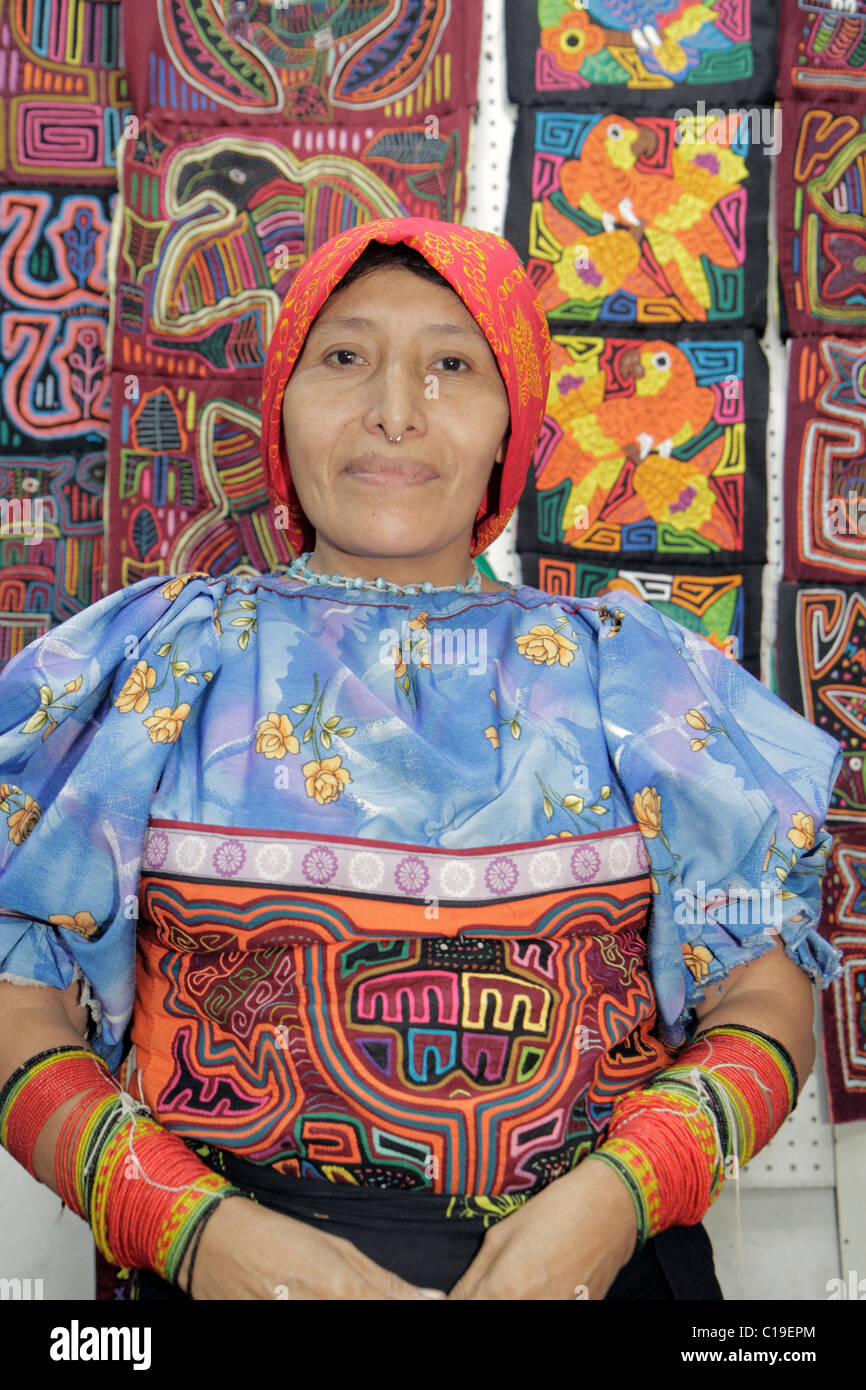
[{"x": 568, "y": 1241}]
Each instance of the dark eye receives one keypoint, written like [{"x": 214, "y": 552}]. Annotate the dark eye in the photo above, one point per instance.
[
  {"x": 346, "y": 352},
  {"x": 454, "y": 359},
  {"x": 615, "y": 132},
  {"x": 661, "y": 361}
]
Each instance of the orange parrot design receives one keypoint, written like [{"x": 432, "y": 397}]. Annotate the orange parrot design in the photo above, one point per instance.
[
  {"x": 672, "y": 213},
  {"x": 638, "y": 432}
]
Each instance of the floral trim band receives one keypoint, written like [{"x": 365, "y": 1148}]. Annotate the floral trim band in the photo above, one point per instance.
[{"x": 341, "y": 864}]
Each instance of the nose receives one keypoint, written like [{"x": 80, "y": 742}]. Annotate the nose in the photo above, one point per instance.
[{"x": 396, "y": 397}]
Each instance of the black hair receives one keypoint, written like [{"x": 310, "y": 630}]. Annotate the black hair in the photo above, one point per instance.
[{"x": 379, "y": 255}]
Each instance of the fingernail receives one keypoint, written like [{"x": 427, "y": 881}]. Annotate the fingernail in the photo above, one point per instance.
[{"x": 431, "y": 1293}]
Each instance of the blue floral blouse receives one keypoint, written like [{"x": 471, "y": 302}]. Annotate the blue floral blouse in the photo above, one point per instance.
[{"x": 359, "y": 852}]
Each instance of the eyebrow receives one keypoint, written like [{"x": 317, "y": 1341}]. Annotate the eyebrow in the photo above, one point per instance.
[{"x": 346, "y": 321}]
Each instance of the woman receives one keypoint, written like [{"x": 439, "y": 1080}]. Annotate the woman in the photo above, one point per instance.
[{"x": 416, "y": 864}]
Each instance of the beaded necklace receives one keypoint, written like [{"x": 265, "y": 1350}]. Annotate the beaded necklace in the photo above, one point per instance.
[{"x": 299, "y": 569}]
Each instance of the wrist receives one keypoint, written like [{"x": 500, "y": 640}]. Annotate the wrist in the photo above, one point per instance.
[
  {"x": 611, "y": 1198},
  {"x": 624, "y": 1197}
]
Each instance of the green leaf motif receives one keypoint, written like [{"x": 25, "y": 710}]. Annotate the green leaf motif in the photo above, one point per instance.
[
  {"x": 45, "y": 694},
  {"x": 36, "y": 722},
  {"x": 243, "y": 640},
  {"x": 548, "y": 807}
]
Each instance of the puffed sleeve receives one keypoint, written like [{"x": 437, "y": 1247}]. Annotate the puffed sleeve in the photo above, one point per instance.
[
  {"x": 730, "y": 789},
  {"x": 89, "y": 714}
]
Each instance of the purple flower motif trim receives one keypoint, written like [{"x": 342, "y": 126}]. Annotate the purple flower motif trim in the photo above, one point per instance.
[
  {"x": 411, "y": 875},
  {"x": 501, "y": 875},
  {"x": 319, "y": 864},
  {"x": 584, "y": 863},
  {"x": 157, "y": 849},
  {"x": 228, "y": 857}
]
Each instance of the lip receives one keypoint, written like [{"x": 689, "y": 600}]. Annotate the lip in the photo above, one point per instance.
[{"x": 379, "y": 468}]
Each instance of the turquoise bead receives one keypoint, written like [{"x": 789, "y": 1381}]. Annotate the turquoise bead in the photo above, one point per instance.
[{"x": 300, "y": 569}]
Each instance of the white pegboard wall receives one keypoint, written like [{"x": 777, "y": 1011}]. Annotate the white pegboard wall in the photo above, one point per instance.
[{"x": 801, "y": 1154}]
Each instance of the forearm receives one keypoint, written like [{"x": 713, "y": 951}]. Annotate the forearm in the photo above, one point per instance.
[
  {"x": 70, "y": 1123},
  {"x": 34, "y": 1019},
  {"x": 696, "y": 1121}
]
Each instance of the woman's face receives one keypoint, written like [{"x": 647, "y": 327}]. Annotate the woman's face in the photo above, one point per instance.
[{"x": 411, "y": 362}]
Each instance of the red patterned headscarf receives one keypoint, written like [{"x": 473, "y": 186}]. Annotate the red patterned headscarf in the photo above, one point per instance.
[{"x": 486, "y": 272}]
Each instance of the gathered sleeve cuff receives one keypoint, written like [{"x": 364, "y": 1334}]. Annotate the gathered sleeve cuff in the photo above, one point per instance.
[
  {"x": 730, "y": 789},
  {"x": 89, "y": 715}
]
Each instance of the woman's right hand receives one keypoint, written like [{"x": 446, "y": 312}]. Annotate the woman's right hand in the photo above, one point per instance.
[{"x": 248, "y": 1251}]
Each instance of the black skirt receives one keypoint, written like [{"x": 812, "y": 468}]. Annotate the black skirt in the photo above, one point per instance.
[{"x": 430, "y": 1239}]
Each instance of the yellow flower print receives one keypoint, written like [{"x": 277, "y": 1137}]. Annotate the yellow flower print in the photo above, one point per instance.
[
  {"x": 173, "y": 588},
  {"x": 166, "y": 723},
  {"x": 648, "y": 811},
  {"x": 73, "y": 685},
  {"x": 696, "y": 720},
  {"x": 647, "y": 804},
  {"x": 83, "y": 922},
  {"x": 23, "y": 821},
  {"x": 698, "y": 959},
  {"x": 616, "y": 619},
  {"x": 563, "y": 835},
  {"x": 492, "y": 731},
  {"x": 325, "y": 779},
  {"x": 545, "y": 647},
  {"x": 420, "y": 621},
  {"x": 769, "y": 855},
  {"x": 399, "y": 663},
  {"x": 274, "y": 736},
  {"x": 135, "y": 693},
  {"x": 803, "y": 834}
]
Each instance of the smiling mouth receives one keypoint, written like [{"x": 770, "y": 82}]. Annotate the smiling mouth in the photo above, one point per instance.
[{"x": 376, "y": 468}]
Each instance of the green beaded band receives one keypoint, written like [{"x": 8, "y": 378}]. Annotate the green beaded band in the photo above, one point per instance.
[{"x": 631, "y": 1182}]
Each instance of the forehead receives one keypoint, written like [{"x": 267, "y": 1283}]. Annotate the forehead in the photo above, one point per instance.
[{"x": 391, "y": 294}]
